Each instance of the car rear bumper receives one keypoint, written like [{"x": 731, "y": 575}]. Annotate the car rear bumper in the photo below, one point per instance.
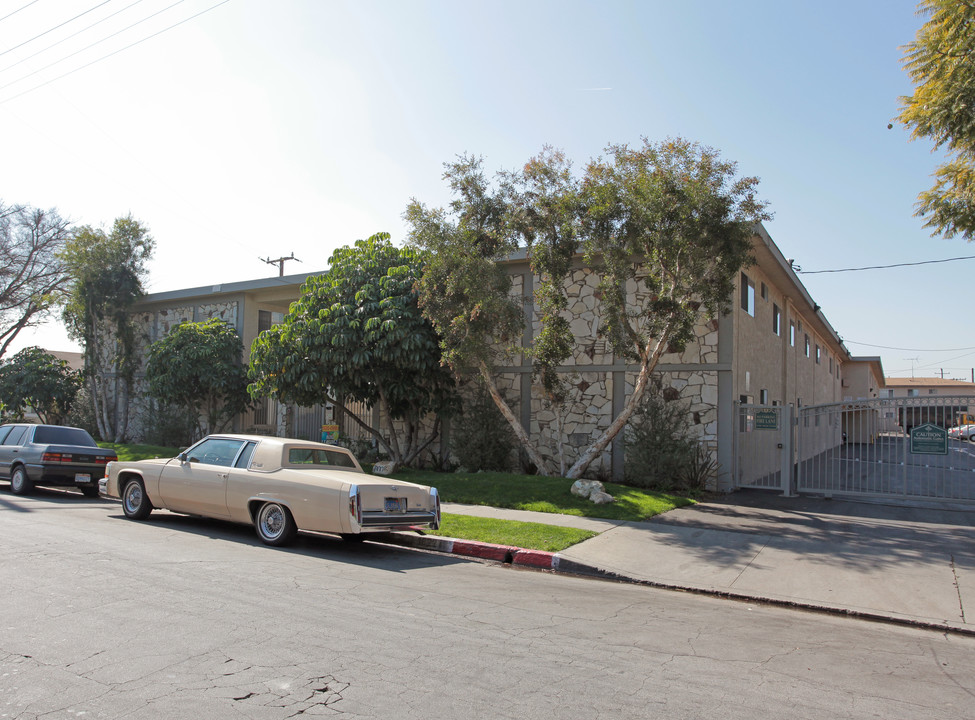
[{"x": 377, "y": 520}]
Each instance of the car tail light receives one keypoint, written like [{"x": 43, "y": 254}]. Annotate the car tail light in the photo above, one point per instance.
[
  {"x": 436, "y": 498},
  {"x": 54, "y": 457},
  {"x": 355, "y": 504},
  {"x": 105, "y": 460}
]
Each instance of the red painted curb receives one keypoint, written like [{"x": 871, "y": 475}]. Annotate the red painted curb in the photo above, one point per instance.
[
  {"x": 534, "y": 558},
  {"x": 485, "y": 551}
]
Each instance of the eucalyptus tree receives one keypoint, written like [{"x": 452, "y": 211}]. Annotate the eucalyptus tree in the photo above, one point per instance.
[
  {"x": 107, "y": 270},
  {"x": 671, "y": 218}
]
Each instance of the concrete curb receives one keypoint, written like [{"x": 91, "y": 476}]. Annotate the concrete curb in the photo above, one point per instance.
[{"x": 541, "y": 560}]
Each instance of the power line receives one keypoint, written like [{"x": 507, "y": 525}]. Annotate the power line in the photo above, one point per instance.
[
  {"x": 87, "y": 47},
  {"x": 17, "y": 10},
  {"x": 114, "y": 52},
  {"x": 11, "y": 49},
  {"x": 886, "y": 347},
  {"x": 881, "y": 267},
  {"x": 68, "y": 37}
]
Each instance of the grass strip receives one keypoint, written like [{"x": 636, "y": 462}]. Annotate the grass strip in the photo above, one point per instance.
[{"x": 529, "y": 535}]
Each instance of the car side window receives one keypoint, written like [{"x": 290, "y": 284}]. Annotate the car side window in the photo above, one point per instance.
[
  {"x": 4, "y": 431},
  {"x": 244, "y": 459},
  {"x": 15, "y": 436},
  {"x": 215, "y": 451}
]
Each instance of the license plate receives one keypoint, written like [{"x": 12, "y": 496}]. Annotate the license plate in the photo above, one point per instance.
[
  {"x": 82, "y": 478},
  {"x": 395, "y": 504}
]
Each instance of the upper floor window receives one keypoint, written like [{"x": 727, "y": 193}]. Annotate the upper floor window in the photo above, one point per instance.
[
  {"x": 807, "y": 345},
  {"x": 792, "y": 333},
  {"x": 819, "y": 354},
  {"x": 764, "y": 291},
  {"x": 912, "y": 392},
  {"x": 747, "y": 295},
  {"x": 776, "y": 319}
]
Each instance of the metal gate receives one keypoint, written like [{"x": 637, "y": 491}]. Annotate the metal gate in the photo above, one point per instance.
[
  {"x": 898, "y": 447},
  {"x": 878, "y": 447}
]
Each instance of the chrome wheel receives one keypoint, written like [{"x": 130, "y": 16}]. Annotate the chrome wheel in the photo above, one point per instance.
[
  {"x": 135, "y": 502},
  {"x": 274, "y": 524}
]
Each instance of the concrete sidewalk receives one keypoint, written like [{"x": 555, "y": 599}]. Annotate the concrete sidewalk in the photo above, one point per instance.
[{"x": 881, "y": 561}]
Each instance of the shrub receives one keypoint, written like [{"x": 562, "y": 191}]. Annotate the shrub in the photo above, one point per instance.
[
  {"x": 661, "y": 453},
  {"x": 168, "y": 425},
  {"x": 482, "y": 438}
]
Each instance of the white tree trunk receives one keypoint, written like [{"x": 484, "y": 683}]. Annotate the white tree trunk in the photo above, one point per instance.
[
  {"x": 649, "y": 359},
  {"x": 519, "y": 431}
]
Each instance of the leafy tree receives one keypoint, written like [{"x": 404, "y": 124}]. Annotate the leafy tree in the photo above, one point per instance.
[
  {"x": 671, "y": 219},
  {"x": 38, "y": 381},
  {"x": 941, "y": 63},
  {"x": 31, "y": 273},
  {"x": 107, "y": 270},
  {"x": 356, "y": 333},
  {"x": 198, "y": 368}
]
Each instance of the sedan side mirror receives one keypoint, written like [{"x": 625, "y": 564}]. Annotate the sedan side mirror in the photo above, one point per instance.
[{"x": 181, "y": 457}]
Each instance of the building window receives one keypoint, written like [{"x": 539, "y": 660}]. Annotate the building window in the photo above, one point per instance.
[
  {"x": 830, "y": 364},
  {"x": 776, "y": 319},
  {"x": 807, "y": 346},
  {"x": 818, "y": 354},
  {"x": 932, "y": 391},
  {"x": 763, "y": 397},
  {"x": 912, "y": 392},
  {"x": 747, "y": 295},
  {"x": 764, "y": 292},
  {"x": 792, "y": 333}
]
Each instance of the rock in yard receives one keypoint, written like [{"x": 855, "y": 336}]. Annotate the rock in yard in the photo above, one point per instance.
[
  {"x": 387, "y": 467},
  {"x": 601, "y": 498},
  {"x": 585, "y": 488}
]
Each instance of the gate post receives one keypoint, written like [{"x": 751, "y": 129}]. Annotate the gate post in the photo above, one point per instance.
[{"x": 786, "y": 454}]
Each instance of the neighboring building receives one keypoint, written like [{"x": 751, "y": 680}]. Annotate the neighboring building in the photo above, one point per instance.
[
  {"x": 927, "y": 386},
  {"x": 774, "y": 348},
  {"x": 937, "y": 400},
  {"x": 863, "y": 381}
]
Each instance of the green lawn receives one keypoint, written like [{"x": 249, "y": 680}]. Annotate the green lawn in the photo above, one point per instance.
[
  {"x": 543, "y": 494},
  {"x": 140, "y": 452},
  {"x": 533, "y": 536}
]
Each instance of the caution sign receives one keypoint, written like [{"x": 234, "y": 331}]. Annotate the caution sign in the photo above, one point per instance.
[{"x": 929, "y": 439}]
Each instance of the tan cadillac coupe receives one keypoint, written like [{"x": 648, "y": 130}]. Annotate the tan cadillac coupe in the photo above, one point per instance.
[{"x": 278, "y": 485}]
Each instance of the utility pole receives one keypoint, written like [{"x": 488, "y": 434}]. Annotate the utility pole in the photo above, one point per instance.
[{"x": 280, "y": 262}]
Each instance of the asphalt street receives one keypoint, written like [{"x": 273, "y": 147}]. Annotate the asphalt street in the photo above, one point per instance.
[{"x": 185, "y": 618}]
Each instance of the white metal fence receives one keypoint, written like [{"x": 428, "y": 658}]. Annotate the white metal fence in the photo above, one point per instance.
[{"x": 883, "y": 447}]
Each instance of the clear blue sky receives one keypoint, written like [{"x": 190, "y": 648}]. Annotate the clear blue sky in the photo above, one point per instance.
[{"x": 258, "y": 129}]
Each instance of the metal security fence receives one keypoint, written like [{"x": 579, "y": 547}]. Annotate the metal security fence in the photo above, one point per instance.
[
  {"x": 897, "y": 447},
  {"x": 885, "y": 447}
]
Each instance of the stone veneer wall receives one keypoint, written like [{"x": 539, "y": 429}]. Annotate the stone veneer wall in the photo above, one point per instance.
[{"x": 155, "y": 325}]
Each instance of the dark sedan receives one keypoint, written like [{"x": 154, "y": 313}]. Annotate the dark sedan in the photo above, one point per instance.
[{"x": 51, "y": 455}]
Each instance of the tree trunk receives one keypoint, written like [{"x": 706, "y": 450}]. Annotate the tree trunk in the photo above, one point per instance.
[
  {"x": 533, "y": 454},
  {"x": 649, "y": 362}
]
